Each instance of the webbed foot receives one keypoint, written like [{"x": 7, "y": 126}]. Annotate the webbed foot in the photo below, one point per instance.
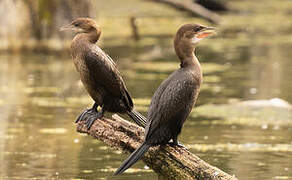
[
  {"x": 80, "y": 117},
  {"x": 174, "y": 143},
  {"x": 90, "y": 115}
]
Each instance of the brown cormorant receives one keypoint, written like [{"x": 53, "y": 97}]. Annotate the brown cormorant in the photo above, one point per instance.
[
  {"x": 175, "y": 97},
  {"x": 99, "y": 74}
]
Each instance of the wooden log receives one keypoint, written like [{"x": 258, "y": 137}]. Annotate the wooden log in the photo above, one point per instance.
[
  {"x": 193, "y": 8},
  {"x": 170, "y": 162}
]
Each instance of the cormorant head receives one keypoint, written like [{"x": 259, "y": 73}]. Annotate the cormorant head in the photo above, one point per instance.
[
  {"x": 191, "y": 34},
  {"x": 81, "y": 25}
]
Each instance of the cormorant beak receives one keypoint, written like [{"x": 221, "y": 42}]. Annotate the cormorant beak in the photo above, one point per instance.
[
  {"x": 67, "y": 27},
  {"x": 70, "y": 27},
  {"x": 208, "y": 31},
  {"x": 205, "y": 32}
]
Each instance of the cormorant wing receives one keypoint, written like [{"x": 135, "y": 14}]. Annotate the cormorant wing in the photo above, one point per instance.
[
  {"x": 171, "y": 100},
  {"x": 104, "y": 72}
]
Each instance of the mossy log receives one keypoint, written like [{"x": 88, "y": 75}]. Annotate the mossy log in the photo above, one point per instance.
[
  {"x": 193, "y": 8},
  {"x": 170, "y": 162}
]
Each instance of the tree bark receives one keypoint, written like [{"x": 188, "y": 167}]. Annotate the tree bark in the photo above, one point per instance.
[
  {"x": 193, "y": 8},
  {"x": 170, "y": 162}
]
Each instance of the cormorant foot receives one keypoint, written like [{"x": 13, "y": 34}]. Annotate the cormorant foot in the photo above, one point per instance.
[
  {"x": 80, "y": 117},
  {"x": 181, "y": 145},
  {"x": 92, "y": 116},
  {"x": 176, "y": 143},
  {"x": 90, "y": 113}
]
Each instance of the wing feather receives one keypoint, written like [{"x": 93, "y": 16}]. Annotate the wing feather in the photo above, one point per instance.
[
  {"x": 103, "y": 72},
  {"x": 172, "y": 97}
]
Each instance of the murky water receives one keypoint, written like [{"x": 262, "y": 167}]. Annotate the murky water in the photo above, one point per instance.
[{"x": 40, "y": 97}]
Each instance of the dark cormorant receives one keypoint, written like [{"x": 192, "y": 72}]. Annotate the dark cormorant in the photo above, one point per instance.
[
  {"x": 99, "y": 74},
  {"x": 175, "y": 97}
]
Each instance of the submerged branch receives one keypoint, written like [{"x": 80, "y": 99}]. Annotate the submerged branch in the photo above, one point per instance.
[
  {"x": 170, "y": 162},
  {"x": 193, "y": 8}
]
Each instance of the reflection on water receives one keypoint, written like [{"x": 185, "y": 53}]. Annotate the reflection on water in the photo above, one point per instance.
[{"x": 40, "y": 97}]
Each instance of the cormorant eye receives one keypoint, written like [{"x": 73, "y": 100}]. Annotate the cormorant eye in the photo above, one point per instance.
[{"x": 198, "y": 28}]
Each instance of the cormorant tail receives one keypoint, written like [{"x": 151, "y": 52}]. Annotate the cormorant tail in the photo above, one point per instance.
[
  {"x": 137, "y": 117},
  {"x": 133, "y": 158}
]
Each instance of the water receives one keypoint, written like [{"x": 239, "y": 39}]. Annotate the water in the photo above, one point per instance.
[{"x": 41, "y": 96}]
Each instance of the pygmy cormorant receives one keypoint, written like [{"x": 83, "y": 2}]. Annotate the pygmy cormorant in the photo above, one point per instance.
[
  {"x": 175, "y": 97},
  {"x": 99, "y": 74}
]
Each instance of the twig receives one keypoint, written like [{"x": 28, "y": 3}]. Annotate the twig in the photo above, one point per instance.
[{"x": 193, "y": 8}]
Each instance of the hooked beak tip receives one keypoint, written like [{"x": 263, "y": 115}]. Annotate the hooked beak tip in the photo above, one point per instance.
[{"x": 210, "y": 28}]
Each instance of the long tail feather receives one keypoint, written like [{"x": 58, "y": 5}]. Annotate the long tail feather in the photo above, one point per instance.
[
  {"x": 137, "y": 117},
  {"x": 132, "y": 159}
]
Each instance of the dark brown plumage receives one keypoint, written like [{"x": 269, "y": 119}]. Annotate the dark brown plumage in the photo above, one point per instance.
[
  {"x": 99, "y": 74},
  {"x": 175, "y": 97}
]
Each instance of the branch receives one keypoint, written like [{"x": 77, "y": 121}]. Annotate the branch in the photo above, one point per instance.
[
  {"x": 170, "y": 162},
  {"x": 193, "y": 8}
]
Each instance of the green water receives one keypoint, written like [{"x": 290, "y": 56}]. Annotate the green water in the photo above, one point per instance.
[{"x": 41, "y": 96}]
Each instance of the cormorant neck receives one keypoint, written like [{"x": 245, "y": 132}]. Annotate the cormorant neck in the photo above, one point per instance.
[
  {"x": 81, "y": 40},
  {"x": 186, "y": 54},
  {"x": 91, "y": 36}
]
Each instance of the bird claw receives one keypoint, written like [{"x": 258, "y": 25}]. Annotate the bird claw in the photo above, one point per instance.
[
  {"x": 176, "y": 143},
  {"x": 80, "y": 117},
  {"x": 181, "y": 145},
  {"x": 89, "y": 121},
  {"x": 91, "y": 116}
]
